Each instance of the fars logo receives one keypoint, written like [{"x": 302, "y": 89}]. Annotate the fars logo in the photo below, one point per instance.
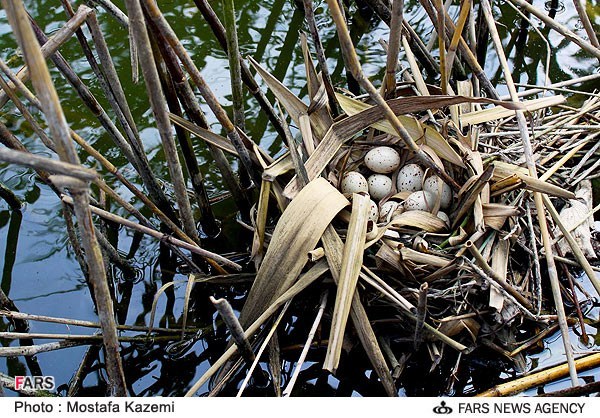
[{"x": 34, "y": 382}]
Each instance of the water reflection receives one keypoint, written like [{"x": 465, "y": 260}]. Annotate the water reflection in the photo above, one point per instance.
[{"x": 41, "y": 275}]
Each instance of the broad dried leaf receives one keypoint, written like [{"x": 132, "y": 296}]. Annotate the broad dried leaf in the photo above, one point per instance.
[
  {"x": 421, "y": 133},
  {"x": 298, "y": 231}
]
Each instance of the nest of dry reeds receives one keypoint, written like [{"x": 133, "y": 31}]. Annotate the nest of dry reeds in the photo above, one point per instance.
[{"x": 431, "y": 210}]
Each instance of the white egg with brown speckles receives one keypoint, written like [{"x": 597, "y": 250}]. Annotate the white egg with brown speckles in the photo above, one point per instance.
[
  {"x": 410, "y": 178},
  {"x": 436, "y": 186},
  {"x": 420, "y": 200},
  {"x": 380, "y": 186},
  {"x": 382, "y": 160},
  {"x": 373, "y": 212},
  {"x": 354, "y": 182}
]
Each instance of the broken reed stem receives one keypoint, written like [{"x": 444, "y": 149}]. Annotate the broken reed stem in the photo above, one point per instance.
[
  {"x": 47, "y": 164},
  {"x": 389, "y": 81},
  {"x": 87, "y": 324},
  {"x": 159, "y": 235},
  {"x": 235, "y": 329},
  {"x": 263, "y": 346},
  {"x": 421, "y": 315},
  {"x": 32, "y": 350},
  {"x": 219, "y": 31},
  {"x": 194, "y": 112},
  {"x": 50, "y": 47},
  {"x": 553, "y": 24},
  {"x": 163, "y": 27},
  {"x": 159, "y": 109},
  {"x": 207, "y": 218},
  {"x": 353, "y": 65},
  {"x": 309, "y": 15},
  {"x": 579, "y": 256},
  {"x": 66, "y": 150},
  {"x": 494, "y": 275},
  {"x": 13, "y": 201},
  {"x": 539, "y": 204}
]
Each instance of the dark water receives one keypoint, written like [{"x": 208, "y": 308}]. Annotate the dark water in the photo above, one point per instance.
[{"x": 40, "y": 274}]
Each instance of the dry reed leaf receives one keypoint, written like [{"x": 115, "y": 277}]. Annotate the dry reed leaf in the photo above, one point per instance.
[
  {"x": 499, "y": 264},
  {"x": 470, "y": 193},
  {"x": 351, "y": 263},
  {"x": 297, "y": 232},
  {"x": 339, "y": 133},
  {"x": 418, "y": 219},
  {"x": 282, "y": 165},
  {"x": 208, "y": 136},
  {"x": 510, "y": 176},
  {"x": 258, "y": 240},
  {"x": 500, "y": 112},
  {"x": 417, "y": 257},
  {"x": 455, "y": 326},
  {"x": 292, "y": 104},
  {"x": 316, "y": 91},
  {"x": 421, "y": 133},
  {"x": 333, "y": 246}
]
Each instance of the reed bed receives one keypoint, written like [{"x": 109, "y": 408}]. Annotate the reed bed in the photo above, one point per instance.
[{"x": 434, "y": 218}]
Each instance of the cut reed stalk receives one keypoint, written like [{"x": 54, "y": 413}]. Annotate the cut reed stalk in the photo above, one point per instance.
[
  {"x": 58, "y": 39},
  {"x": 389, "y": 82},
  {"x": 553, "y": 24},
  {"x": 541, "y": 378},
  {"x": 539, "y": 204},
  {"x": 163, "y": 27},
  {"x": 60, "y": 133},
  {"x": 159, "y": 109},
  {"x": 160, "y": 236},
  {"x": 302, "y": 283},
  {"x": 235, "y": 329},
  {"x": 309, "y": 15}
]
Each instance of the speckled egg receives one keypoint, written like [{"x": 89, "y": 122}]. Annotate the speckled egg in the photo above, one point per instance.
[
  {"x": 354, "y": 182},
  {"x": 380, "y": 186},
  {"x": 435, "y": 185},
  {"x": 382, "y": 160},
  {"x": 420, "y": 200},
  {"x": 410, "y": 178},
  {"x": 373, "y": 212},
  {"x": 386, "y": 209},
  {"x": 443, "y": 217}
]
